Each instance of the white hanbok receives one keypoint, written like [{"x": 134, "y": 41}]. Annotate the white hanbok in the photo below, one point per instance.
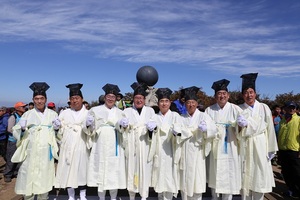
[
  {"x": 164, "y": 149},
  {"x": 195, "y": 149},
  {"x": 36, "y": 150},
  {"x": 137, "y": 145},
  {"x": 258, "y": 140},
  {"x": 74, "y": 153},
  {"x": 106, "y": 169},
  {"x": 224, "y": 171}
]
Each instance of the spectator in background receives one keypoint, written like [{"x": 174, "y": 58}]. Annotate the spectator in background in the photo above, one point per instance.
[
  {"x": 69, "y": 104},
  {"x": 174, "y": 108},
  {"x": 3, "y": 131},
  {"x": 289, "y": 149},
  {"x": 276, "y": 118},
  {"x": 276, "y": 113},
  {"x": 36, "y": 147},
  {"x": 101, "y": 100},
  {"x": 51, "y": 106},
  {"x": 11, "y": 169},
  {"x": 120, "y": 103},
  {"x": 86, "y": 104},
  {"x": 30, "y": 105},
  {"x": 180, "y": 103},
  {"x": 201, "y": 107}
]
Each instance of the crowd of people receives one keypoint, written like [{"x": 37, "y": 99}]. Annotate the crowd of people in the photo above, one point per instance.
[{"x": 174, "y": 148}]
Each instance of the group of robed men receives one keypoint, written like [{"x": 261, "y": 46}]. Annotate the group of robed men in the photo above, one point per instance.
[{"x": 227, "y": 146}]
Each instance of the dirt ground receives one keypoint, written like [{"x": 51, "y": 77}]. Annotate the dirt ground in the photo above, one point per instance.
[{"x": 7, "y": 189}]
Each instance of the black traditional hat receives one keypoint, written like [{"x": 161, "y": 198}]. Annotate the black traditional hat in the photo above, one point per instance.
[
  {"x": 75, "y": 89},
  {"x": 39, "y": 88},
  {"x": 220, "y": 85},
  {"x": 191, "y": 93},
  {"x": 163, "y": 93},
  {"x": 139, "y": 88},
  {"x": 111, "y": 89},
  {"x": 248, "y": 81}
]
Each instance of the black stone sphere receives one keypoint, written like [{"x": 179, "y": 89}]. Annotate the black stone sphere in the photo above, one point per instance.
[{"x": 147, "y": 75}]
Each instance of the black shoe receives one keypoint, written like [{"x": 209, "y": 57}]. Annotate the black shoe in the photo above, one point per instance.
[{"x": 7, "y": 179}]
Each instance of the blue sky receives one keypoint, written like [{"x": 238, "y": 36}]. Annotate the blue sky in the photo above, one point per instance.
[{"x": 95, "y": 42}]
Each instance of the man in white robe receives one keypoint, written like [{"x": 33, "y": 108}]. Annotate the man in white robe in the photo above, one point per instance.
[
  {"x": 198, "y": 131},
  {"x": 259, "y": 143},
  {"x": 224, "y": 163},
  {"x": 164, "y": 147},
  {"x": 74, "y": 153},
  {"x": 106, "y": 169},
  {"x": 137, "y": 143},
  {"x": 36, "y": 147}
]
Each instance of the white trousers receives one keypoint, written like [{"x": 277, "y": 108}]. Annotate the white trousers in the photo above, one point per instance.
[
  {"x": 196, "y": 196},
  {"x": 253, "y": 196},
  {"x": 216, "y": 196},
  {"x": 165, "y": 196},
  {"x": 113, "y": 194}
]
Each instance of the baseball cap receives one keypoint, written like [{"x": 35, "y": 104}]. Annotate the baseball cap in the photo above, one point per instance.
[
  {"x": 51, "y": 104},
  {"x": 290, "y": 103},
  {"x": 19, "y": 104}
]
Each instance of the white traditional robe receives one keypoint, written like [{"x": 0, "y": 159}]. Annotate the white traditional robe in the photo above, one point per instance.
[
  {"x": 137, "y": 144},
  {"x": 258, "y": 139},
  {"x": 165, "y": 176},
  {"x": 195, "y": 149},
  {"x": 106, "y": 168},
  {"x": 74, "y": 153},
  {"x": 36, "y": 149},
  {"x": 224, "y": 171}
]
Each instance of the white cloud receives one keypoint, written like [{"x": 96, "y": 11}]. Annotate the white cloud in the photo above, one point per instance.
[{"x": 216, "y": 35}]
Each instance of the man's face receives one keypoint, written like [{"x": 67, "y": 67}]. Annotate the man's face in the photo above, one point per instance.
[
  {"x": 39, "y": 102},
  {"x": 191, "y": 106},
  {"x": 138, "y": 101},
  {"x": 222, "y": 97},
  {"x": 118, "y": 97},
  {"x": 21, "y": 109},
  {"x": 2, "y": 112},
  {"x": 164, "y": 105},
  {"x": 87, "y": 106},
  {"x": 182, "y": 100},
  {"x": 290, "y": 109},
  {"x": 249, "y": 96},
  {"x": 76, "y": 102},
  {"x": 110, "y": 100},
  {"x": 278, "y": 110}
]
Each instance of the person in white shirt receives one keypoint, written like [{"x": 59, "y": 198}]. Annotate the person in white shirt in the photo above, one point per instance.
[
  {"x": 224, "y": 163},
  {"x": 198, "y": 131},
  {"x": 106, "y": 169},
  {"x": 36, "y": 147},
  {"x": 137, "y": 143},
  {"x": 258, "y": 143},
  {"x": 74, "y": 153},
  {"x": 165, "y": 147}
]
